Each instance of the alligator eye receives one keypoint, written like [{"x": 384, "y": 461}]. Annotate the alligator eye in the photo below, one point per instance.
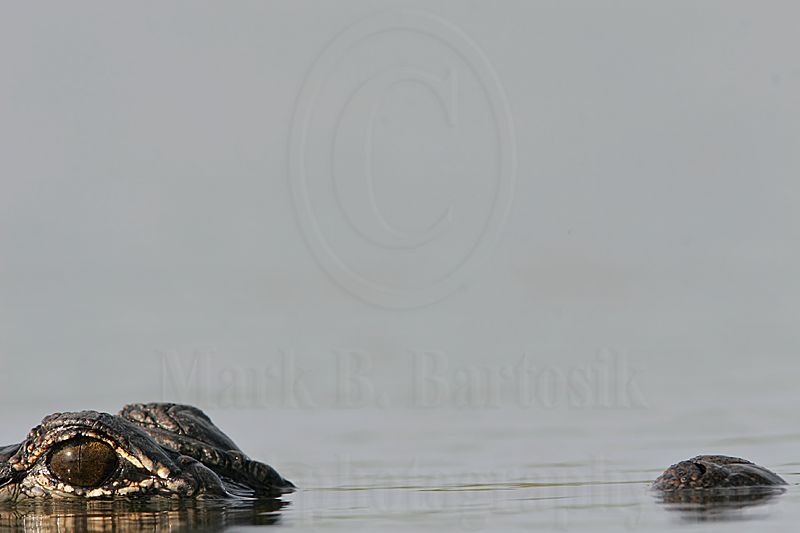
[{"x": 83, "y": 462}]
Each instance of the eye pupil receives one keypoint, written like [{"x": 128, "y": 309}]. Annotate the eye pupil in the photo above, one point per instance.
[{"x": 83, "y": 462}]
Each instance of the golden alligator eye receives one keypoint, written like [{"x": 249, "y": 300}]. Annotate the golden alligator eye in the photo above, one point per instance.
[{"x": 83, "y": 462}]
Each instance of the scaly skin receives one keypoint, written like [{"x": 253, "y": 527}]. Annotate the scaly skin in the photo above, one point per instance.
[
  {"x": 715, "y": 471},
  {"x": 161, "y": 450}
]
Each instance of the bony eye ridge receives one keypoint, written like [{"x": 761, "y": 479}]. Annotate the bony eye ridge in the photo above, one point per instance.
[{"x": 83, "y": 462}]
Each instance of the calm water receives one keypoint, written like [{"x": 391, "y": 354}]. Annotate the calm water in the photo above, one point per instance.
[
  {"x": 475, "y": 469},
  {"x": 275, "y": 186}
]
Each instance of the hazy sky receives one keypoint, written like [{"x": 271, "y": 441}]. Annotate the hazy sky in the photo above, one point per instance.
[{"x": 241, "y": 186}]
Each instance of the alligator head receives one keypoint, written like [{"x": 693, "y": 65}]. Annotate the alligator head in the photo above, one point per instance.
[
  {"x": 713, "y": 472},
  {"x": 157, "y": 449}
]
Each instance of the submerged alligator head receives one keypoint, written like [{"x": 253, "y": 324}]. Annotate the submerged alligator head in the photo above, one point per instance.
[
  {"x": 156, "y": 449},
  {"x": 715, "y": 472},
  {"x": 716, "y": 487}
]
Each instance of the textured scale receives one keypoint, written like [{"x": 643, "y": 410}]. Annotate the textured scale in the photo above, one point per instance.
[
  {"x": 160, "y": 449},
  {"x": 715, "y": 471}
]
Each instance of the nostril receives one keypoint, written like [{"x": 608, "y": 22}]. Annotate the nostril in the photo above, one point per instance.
[{"x": 701, "y": 467}]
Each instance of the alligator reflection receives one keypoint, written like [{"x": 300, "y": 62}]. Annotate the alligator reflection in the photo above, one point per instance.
[
  {"x": 151, "y": 515},
  {"x": 703, "y": 505}
]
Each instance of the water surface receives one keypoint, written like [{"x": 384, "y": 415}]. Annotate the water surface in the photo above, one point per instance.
[{"x": 471, "y": 469}]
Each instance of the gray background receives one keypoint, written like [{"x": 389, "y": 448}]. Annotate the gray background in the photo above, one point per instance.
[{"x": 151, "y": 248}]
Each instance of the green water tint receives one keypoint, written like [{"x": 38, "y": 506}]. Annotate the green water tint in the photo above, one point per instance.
[{"x": 146, "y": 515}]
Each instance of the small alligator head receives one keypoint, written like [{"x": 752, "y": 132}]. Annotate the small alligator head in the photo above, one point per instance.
[
  {"x": 716, "y": 487},
  {"x": 147, "y": 450},
  {"x": 713, "y": 472}
]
